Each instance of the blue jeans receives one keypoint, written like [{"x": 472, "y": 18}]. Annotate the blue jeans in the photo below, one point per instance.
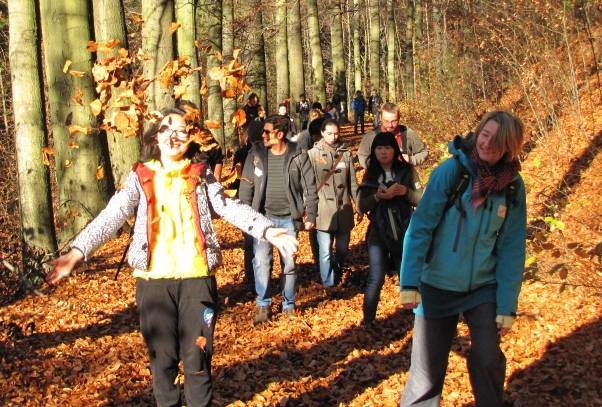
[
  {"x": 431, "y": 344},
  {"x": 262, "y": 268},
  {"x": 380, "y": 260},
  {"x": 329, "y": 264}
]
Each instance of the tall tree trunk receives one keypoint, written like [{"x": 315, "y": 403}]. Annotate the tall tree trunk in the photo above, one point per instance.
[
  {"x": 66, "y": 31},
  {"x": 257, "y": 69},
  {"x": 157, "y": 44},
  {"x": 35, "y": 202},
  {"x": 212, "y": 15},
  {"x": 282, "y": 85},
  {"x": 374, "y": 45},
  {"x": 109, "y": 23},
  {"x": 357, "y": 59},
  {"x": 392, "y": 88},
  {"x": 409, "y": 50},
  {"x": 319, "y": 90},
  {"x": 227, "y": 51},
  {"x": 338, "y": 56},
  {"x": 186, "y": 35},
  {"x": 295, "y": 56},
  {"x": 416, "y": 39}
]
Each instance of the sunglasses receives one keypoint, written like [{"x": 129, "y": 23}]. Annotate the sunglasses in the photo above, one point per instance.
[{"x": 178, "y": 135}]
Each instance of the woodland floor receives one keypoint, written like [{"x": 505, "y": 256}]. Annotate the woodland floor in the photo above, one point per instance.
[{"x": 79, "y": 344}]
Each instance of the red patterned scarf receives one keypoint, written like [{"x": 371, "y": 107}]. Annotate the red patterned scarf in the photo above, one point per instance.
[{"x": 491, "y": 178}]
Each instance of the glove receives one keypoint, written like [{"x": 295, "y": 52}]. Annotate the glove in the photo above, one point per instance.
[
  {"x": 504, "y": 323},
  {"x": 410, "y": 298}
]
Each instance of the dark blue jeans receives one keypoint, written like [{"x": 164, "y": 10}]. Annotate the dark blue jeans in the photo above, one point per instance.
[
  {"x": 359, "y": 118},
  {"x": 431, "y": 343},
  {"x": 380, "y": 260}
]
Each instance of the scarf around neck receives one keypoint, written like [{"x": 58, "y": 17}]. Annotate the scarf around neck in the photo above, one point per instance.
[{"x": 491, "y": 178}]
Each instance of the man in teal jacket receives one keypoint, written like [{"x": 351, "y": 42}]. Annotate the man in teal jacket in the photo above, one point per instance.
[{"x": 466, "y": 258}]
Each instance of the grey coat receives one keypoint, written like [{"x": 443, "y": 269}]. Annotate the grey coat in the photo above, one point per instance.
[
  {"x": 414, "y": 147},
  {"x": 128, "y": 202},
  {"x": 335, "y": 213},
  {"x": 299, "y": 182}
]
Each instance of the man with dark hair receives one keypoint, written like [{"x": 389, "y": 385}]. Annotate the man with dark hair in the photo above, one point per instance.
[
  {"x": 413, "y": 150},
  {"x": 358, "y": 104},
  {"x": 278, "y": 181},
  {"x": 374, "y": 102},
  {"x": 302, "y": 109}
]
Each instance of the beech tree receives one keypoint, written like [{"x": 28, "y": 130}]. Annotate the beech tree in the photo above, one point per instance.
[
  {"x": 35, "y": 203},
  {"x": 295, "y": 55},
  {"x": 319, "y": 90},
  {"x": 186, "y": 36},
  {"x": 338, "y": 56},
  {"x": 281, "y": 63},
  {"x": 81, "y": 185},
  {"x": 109, "y": 24}
]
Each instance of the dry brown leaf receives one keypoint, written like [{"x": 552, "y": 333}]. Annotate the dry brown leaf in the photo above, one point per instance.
[
  {"x": 100, "y": 172},
  {"x": 77, "y": 74},
  {"x": 212, "y": 124},
  {"x": 229, "y": 94},
  {"x": 96, "y": 107},
  {"x": 201, "y": 342},
  {"x": 67, "y": 65},
  {"x": 239, "y": 118},
  {"x": 92, "y": 46},
  {"x": 68, "y": 163},
  {"x": 179, "y": 91},
  {"x": 46, "y": 153},
  {"x": 136, "y": 19},
  {"x": 173, "y": 27},
  {"x": 74, "y": 128},
  {"x": 78, "y": 97}
]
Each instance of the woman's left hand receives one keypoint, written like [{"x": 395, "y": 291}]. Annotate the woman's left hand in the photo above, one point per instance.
[
  {"x": 286, "y": 244},
  {"x": 504, "y": 323}
]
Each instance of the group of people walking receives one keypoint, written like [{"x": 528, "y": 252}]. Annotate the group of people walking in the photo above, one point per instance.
[{"x": 458, "y": 245}]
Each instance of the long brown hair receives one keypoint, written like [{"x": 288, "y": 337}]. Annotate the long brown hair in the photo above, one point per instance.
[{"x": 510, "y": 135}]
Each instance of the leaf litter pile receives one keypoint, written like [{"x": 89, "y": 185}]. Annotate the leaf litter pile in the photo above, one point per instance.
[{"x": 79, "y": 344}]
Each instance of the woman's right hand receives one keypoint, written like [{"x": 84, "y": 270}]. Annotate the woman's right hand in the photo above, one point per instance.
[
  {"x": 392, "y": 191},
  {"x": 410, "y": 299},
  {"x": 63, "y": 266}
]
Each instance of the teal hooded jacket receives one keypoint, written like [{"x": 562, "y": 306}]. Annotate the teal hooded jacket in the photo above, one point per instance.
[{"x": 487, "y": 246}]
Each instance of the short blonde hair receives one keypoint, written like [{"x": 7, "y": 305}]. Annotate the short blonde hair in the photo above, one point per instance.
[{"x": 510, "y": 135}]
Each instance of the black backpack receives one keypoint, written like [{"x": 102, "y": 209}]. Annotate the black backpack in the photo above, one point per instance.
[{"x": 455, "y": 199}]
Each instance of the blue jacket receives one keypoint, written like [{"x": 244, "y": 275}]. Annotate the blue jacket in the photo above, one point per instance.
[{"x": 468, "y": 252}]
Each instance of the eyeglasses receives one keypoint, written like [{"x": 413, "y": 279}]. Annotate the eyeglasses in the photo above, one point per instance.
[
  {"x": 170, "y": 133},
  {"x": 268, "y": 132}
]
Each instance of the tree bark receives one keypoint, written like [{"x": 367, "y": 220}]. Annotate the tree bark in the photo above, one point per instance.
[
  {"x": 212, "y": 15},
  {"x": 256, "y": 75},
  {"x": 338, "y": 57},
  {"x": 35, "y": 202},
  {"x": 157, "y": 44},
  {"x": 357, "y": 60},
  {"x": 229, "y": 105},
  {"x": 81, "y": 195},
  {"x": 109, "y": 23},
  {"x": 281, "y": 62},
  {"x": 374, "y": 45},
  {"x": 392, "y": 88},
  {"x": 319, "y": 90},
  {"x": 295, "y": 56},
  {"x": 186, "y": 35},
  {"x": 409, "y": 50}
]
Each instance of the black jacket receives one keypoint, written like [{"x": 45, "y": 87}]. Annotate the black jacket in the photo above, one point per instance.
[{"x": 299, "y": 182}]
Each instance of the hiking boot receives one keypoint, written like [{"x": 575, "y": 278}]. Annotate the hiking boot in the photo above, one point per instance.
[{"x": 262, "y": 315}]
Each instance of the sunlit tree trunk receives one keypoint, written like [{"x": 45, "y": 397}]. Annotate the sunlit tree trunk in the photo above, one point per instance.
[
  {"x": 212, "y": 16},
  {"x": 338, "y": 56},
  {"x": 157, "y": 45},
  {"x": 35, "y": 203},
  {"x": 357, "y": 59},
  {"x": 256, "y": 75},
  {"x": 186, "y": 35},
  {"x": 319, "y": 90},
  {"x": 281, "y": 62},
  {"x": 227, "y": 50},
  {"x": 295, "y": 55},
  {"x": 409, "y": 49},
  {"x": 81, "y": 194},
  {"x": 391, "y": 66},
  {"x": 374, "y": 44},
  {"x": 109, "y": 24}
]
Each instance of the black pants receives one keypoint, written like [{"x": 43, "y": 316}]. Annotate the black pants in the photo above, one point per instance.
[
  {"x": 248, "y": 260},
  {"x": 173, "y": 315}
]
